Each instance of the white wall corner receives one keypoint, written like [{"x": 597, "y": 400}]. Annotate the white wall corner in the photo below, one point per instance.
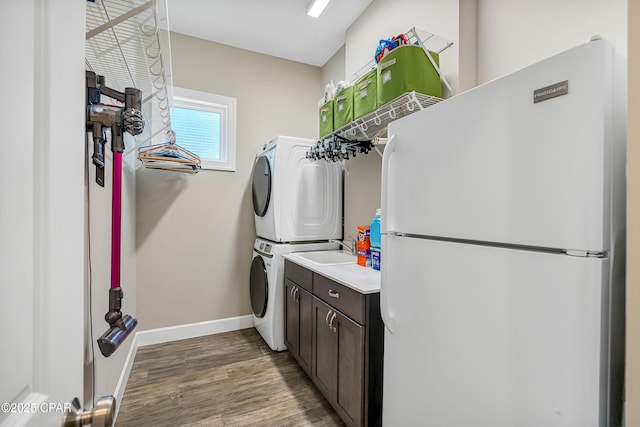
[{"x": 468, "y": 47}]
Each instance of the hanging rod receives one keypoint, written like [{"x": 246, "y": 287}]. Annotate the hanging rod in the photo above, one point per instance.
[{"x": 336, "y": 148}]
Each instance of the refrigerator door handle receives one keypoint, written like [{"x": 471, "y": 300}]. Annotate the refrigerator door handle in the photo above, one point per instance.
[
  {"x": 384, "y": 193},
  {"x": 387, "y": 317}
]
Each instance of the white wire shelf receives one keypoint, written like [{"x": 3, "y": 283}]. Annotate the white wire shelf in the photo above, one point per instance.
[
  {"x": 373, "y": 126},
  {"x": 126, "y": 46},
  {"x": 361, "y": 133}
]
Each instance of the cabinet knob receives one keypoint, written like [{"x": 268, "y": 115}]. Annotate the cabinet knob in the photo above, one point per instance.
[
  {"x": 334, "y": 294},
  {"x": 326, "y": 319},
  {"x": 331, "y": 322}
]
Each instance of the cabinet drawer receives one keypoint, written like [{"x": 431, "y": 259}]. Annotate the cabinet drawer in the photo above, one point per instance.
[
  {"x": 345, "y": 299},
  {"x": 298, "y": 275}
]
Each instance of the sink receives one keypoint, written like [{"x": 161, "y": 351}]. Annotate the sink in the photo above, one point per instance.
[{"x": 328, "y": 257}]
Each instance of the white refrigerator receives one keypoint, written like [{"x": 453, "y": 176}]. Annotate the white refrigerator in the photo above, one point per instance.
[{"x": 503, "y": 213}]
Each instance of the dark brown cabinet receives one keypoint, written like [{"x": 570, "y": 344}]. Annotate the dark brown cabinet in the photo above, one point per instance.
[
  {"x": 336, "y": 335},
  {"x": 350, "y": 359},
  {"x": 298, "y": 323},
  {"x": 324, "y": 350},
  {"x": 338, "y": 361}
]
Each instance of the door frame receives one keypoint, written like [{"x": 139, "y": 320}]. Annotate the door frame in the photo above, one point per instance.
[
  {"x": 50, "y": 37},
  {"x": 60, "y": 202}
]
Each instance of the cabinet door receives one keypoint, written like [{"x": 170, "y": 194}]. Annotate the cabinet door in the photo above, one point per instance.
[
  {"x": 349, "y": 395},
  {"x": 324, "y": 347},
  {"x": 305, "y": 329},
  {"x": 291, "y": 325}
]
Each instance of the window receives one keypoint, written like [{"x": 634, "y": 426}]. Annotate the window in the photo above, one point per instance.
[{"x": 205, "y": 124}]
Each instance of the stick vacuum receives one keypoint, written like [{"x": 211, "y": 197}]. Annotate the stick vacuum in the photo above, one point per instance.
[{"x": 127, "y": 119}]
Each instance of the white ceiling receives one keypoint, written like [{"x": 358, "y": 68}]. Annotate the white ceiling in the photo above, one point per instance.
[{"x": 275, "y": 27}]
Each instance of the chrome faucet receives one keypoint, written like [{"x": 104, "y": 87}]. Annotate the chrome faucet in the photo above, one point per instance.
[{"x": 351, "y": 248}]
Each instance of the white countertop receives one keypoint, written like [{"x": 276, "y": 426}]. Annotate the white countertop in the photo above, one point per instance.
[{"x": 365, "y": 280}]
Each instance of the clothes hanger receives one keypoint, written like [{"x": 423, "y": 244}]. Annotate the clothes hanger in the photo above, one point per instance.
[{"x": 169, "y": 156}]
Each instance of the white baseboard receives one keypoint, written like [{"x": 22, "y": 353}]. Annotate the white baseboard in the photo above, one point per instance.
[
  {"x": 124, "y": 375},
  {"x": 175, "y": 333},
  {"x": 193, "y": 330}
]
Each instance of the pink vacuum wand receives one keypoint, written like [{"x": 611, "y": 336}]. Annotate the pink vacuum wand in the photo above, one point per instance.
[{"x": 119, "y": 119}]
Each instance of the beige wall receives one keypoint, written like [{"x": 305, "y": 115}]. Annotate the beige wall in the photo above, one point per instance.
[
  {"x": 514, "y": 34},
  {"x": 633, "y": 225},
  {"x": 385, "y": 18},
  {"x": 361, "y": 191},
  {"x": 333, "y": 70},
  {"x": 195, "y": 233}
]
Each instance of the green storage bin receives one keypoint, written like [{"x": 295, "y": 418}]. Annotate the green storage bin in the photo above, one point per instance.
[
  {"x": 343, "y": 108},
  {"x": 326, "y": 119},
  {"x": 365, "y": 98},
  {"x": 406, "y": 69}
]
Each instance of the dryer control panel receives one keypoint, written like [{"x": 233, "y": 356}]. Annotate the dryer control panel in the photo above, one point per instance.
[{"x": 263, "y": 246}]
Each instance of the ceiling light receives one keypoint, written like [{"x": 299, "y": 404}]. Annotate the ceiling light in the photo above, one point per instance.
[{"x": 316, "y": 7}]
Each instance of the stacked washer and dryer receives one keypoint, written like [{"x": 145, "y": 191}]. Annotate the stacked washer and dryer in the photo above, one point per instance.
[{"x": 298, "y": 208}]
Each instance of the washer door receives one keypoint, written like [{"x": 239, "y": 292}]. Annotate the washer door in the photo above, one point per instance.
[
  {"x": 259, "y": 287},
  {"x": 261, "y": 185}
]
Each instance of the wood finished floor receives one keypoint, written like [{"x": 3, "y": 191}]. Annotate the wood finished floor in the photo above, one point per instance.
[{"x": 229, "y": 379}]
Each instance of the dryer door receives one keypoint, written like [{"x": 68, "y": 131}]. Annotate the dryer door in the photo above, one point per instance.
[
  {"x": 259, "y": 286},
  {"x": 261, "y": 185}
]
